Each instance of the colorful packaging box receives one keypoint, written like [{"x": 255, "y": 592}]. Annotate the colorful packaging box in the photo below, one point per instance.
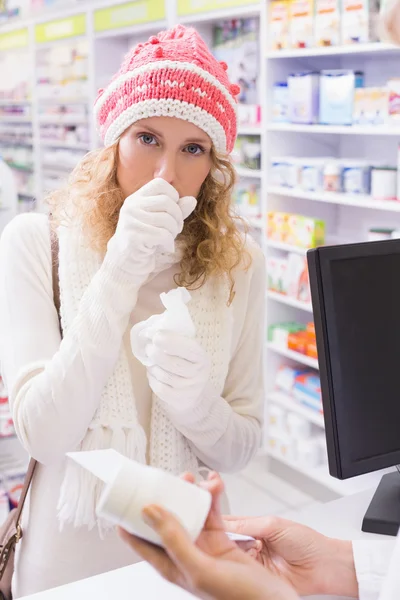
[
  {"x": 393, "y": 86},
  {"x": 371, "y": 106},
  {"x": 359, "y": 22},
  {"x": 301, "y": 23},
  {"x": 249, "y": 115},
  {"x": 279, "y": 22},
  {"x": 279, "y": 171},
  {"x": 287, "y": 376},
  {"x": 311, "y": 179},
  {"x": 305, "y": 232},
  {"x": 327, "y": 22},
  {"x": 277, "y": 226},
  {"x": 303, "y": 97},
  {"x": 276, "y": 270},
  {"x": 279, "y": 333},
  {"x": 336, "y": 96},
  {"x": 280, "y": 102},
  {"x": 307, "y": 390},
  {"x": 298, "y": 283},
  {"x": 356, "y": 177}
]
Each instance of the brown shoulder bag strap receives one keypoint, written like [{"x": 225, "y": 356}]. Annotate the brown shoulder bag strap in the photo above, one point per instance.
[
  {"x": 56, "y": 298},
  {"x": 55, "y": 278}
]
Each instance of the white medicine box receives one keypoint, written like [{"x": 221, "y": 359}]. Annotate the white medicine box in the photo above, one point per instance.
[{"x": 327, "y": 22}]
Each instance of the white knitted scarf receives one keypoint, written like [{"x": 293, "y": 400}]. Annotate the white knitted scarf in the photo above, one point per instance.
[{"x": 115, "y": 424}]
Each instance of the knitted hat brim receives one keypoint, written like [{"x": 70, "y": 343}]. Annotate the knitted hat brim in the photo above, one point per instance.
[
  {"x": 178, "y": 84},
  {"x": 167, "y": 108}
]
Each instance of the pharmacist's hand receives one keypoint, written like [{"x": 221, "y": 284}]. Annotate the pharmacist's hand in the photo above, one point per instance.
[
  {"x": 309, "y": 561},
  {"x": 214, "y": 568},
  {"x": 181, "y": 369},
  {"x": 149, "y": 220}
]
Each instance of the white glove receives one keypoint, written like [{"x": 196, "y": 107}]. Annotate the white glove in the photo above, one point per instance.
[
  {"x": 149, "y": 220},
  {"x": 180, "y": 369}
]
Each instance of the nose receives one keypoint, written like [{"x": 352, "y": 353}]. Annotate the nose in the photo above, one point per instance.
[{"x": 166, "y": 168}]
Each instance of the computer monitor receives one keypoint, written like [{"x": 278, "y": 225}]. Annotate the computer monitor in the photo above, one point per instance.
[{"x": 355, "y": 292}]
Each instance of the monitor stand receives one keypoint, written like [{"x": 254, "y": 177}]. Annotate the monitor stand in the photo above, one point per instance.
[{"x": 383, "y": 514}]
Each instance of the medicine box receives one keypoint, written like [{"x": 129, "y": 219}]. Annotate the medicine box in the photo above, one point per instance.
[
  {"x": 301, "y": 23},
  {"x": 360, "y": 20},
  {"x": 336, "y": 100},
  {"x": 303, "y": 97},
  {"x": 327, "y": 22},
  {"x": 371, "y": 106},
  {"x": 393, "y": 86},
  {"x": 279, "y": 21},
  {"x": 305, "y": 232}
]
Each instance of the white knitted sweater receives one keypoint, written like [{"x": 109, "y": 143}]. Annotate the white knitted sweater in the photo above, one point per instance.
[
  {"x": 115, "y": 423},
  {"x": 56, "y": 386}
]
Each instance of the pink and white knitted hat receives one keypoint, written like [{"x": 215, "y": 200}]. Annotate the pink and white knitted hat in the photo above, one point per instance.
[{"x": 172, "y": 75}]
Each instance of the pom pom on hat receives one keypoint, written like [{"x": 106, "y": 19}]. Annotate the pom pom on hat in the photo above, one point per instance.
[{"x": 172, "y": 74}]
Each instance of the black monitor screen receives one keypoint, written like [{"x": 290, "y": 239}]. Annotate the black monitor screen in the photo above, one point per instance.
[{"x": 356, "y": 299}]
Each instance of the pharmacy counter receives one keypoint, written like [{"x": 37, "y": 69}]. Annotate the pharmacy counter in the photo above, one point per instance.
[{"x": 341, "y": 518}]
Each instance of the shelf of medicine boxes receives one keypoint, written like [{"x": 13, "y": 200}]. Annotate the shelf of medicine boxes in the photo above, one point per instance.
[
  {"x": 355, "y": 200},
  {"x": 321, "y": 475},
  {"x": 303, "y": 359},
  {"x": 289, "y": 301},
  {"x": 339, "y": 140},
  {"x": 284, "y": 400},
  {"x": 248, "y": 173},
  {"x": 378, "y": 48},
  {"x": 369, "y": 130},
  {"x": 221, "y": 12},
  {"x": 286, "y": 247},
  {"x": 51, "y": 166}
]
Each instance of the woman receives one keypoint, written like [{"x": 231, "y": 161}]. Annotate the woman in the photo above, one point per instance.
[{"x": 149, "y": 212}]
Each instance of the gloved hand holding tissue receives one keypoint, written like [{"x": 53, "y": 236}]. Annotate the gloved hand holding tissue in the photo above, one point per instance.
[{"x": 178, "y": 368}]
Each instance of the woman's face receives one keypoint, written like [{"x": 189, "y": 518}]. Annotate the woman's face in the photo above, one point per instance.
[{"x": 165, "y": 147}]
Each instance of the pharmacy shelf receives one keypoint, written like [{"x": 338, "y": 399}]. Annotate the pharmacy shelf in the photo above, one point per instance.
[
  {"x": 56, "y": 120},
  {"x": 248, "y": 173},
  {"x": 276, "y": 297},
  {"x": 370, "y": 49},
  {"x": 62, "y": 101},
  {"x": 286, "y": 247},
  {"x": 296, "y": 356},
  {"x": 15, "y": 102},
  {"x": 356, "y": 200},
  {"x": 247, "y": 11},
  {"x": 66, "y": 145},
  {"x": 321, "y": 475},
  {"x": 142, "y": 29},
  {"x": 293, "y": 405},
  {"x": 248, "y": 130},
  {"x": 257, "y": 223},
  {"x": 8, "y": 143},
  {"x": 376, "y": 130},
  {"x": 14, "y": 119}
]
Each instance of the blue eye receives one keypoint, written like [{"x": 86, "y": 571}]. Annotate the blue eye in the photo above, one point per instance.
[
  {"x": 194, "y": 149},
  {"x": 147, "y": 139}
]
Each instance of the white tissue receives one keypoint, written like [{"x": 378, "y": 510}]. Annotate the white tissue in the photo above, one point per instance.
[{"x": 175, "y": 318}]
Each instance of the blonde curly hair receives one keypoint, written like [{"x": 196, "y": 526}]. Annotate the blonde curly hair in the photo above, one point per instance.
[{"x": 211, "y": 241}]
